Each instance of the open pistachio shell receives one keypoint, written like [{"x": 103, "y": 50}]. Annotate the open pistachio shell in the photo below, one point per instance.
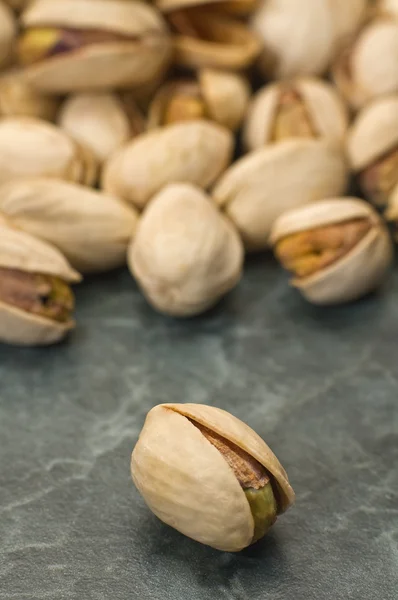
[
  {"x": 209, "y": 38},
  {"x": 8, "y": 32},
  {"x": 144, "y": 47},
  {"x": 193, "y": 151},
  {"x": 189, "y": 485},
  {"x": 374, "y": 132},
  {"x": 185, "y": 255},
  {"x": 98, "y": 121},
  {"x": 23, "y": 252},
  {"x": 301, "y": 38},
  {"x": 356, "y": 273},
  {"x": 31, "y": 147},
  {"x": 367, "y": 67},
  {"x": 323, "y": 113},
  {"x": 261, "y": 186},
  {"x": 19, "y": 99},
  {"x": 90, "y": 228}
]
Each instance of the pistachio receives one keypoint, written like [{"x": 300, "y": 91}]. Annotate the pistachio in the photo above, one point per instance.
[
  {"x": 185, "y": 255},
  {"x": 372, "y": 145},
  {"x": 366, "y": 69},
  {"x": 31, "y": 147},
  {"x": 300, "y": 108},
  {"x": 36, "y": 301},
  {"x": 338, "y": 249},
  {"x": 216, "y": 95},
  {"x": 90, "y": 228},
  {"x": 19, "y": 99},
  {"x": 262, "y": 185},
  {"x": 193, "y": 151},
  {"x": 100, "y": 122},
  {"x": 17, "y": 4},
  {"x": 387, "y": 7},
  {"x": 208, "y": 475},
  {"x": 8, "y": 32},
  {"x": 391, "y": 214},
  {"x": 302, "y": 38},
  {"x": 69, "y": 46}
]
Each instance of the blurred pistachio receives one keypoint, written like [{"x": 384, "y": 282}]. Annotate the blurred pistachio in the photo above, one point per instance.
[
  {"x": 8, "y": 32},
  {"x": 19, "y": 99}
]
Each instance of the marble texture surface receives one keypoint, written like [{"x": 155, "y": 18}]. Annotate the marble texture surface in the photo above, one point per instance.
[{"x": 321, "y": 386}]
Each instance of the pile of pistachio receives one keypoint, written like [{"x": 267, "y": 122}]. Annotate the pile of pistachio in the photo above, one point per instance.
[{"x": 119, "y": 127}]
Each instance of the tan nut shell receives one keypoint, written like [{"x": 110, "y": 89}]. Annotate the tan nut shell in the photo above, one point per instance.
[
  {"x": 185, "y": 255},
  {"x": 8, "y": 33},
  {"x": 98, "y": 66},
  {"x": 19, "y": 250},
  {"x": 91, "y": 229},
  {"x": 196, "y": 152},
  {"x": 391, "y": 213},
  {"x": 372, "y": 58},
  {"x": 300, "y": 38},
  {"x": 326, "y": 110},
  {"x": 187, "y": 483},
  {"x": 18, "y": 4},
  {"x": 358, "y": 272},
  {"x": 97, "y": 121},
  {"x": 262, "y": 185},
  {"x": 19, "y": 99},
  {"x": 373, "y": 133},
  {"x": 389, "y": 7},
  {"x": 31, "y": 147}
]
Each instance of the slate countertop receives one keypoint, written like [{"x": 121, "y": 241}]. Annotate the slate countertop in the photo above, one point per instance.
[{"x": 320, "y": 386}]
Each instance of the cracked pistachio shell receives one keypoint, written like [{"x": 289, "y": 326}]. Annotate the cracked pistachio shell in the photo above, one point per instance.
[
  {"x": 368, "y": 67},
  {"x": 187, "y": 483},
  {"x": 262, "y": 185},
  {"x": 221, "y": 42},
  {"x": 31, "y": 147},
  {"x": 98, "y": 66},
  {"x": 326, "y": 112},
  {"x": 358, "y": 272},
  {"x": 21, "y": 251},
  {"x": 90, "y": 228},
  {"x": 185, "y": 255},
  {"x": 8, "y": 32},
  {"x": 301, "y": 38},
  {"x": 373, "y": 133},
  {"x": 99, "y": 122},
  {"x": 19, "y": 99},
  {"x": 195, "y": 152}
]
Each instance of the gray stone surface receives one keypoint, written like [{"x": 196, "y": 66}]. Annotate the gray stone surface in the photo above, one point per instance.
[{"x": 321, "y": 386}]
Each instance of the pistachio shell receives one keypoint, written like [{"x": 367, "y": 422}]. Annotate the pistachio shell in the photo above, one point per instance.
[
  {"x": 8, "y": 32},
  {"x": 374, "y": 132},
  {"x": 31, "y": 147},
  {"x": 389, "y": 7},
  {"x": 169, "y": 5},
  {"x": 124, "y": 63},
  {"x": 300, "y": 38},
  {"x": 226, "y": 96},
  {"x": 326, "y": 111},
  {"x": 356, "y": 273},
  {"x": 391, "y": 214},
  {"x": 18, "y": 99},
  {"x": 97, "y": 121},
  {"x": 259, "y": 187},
  {"x": 18, "y": 4},
  {"x": 196, "y": 152},
  {"x": 185, "y": 255},
  {"x": 91, "y": 229},
  {"x": 367, "y": 69}
]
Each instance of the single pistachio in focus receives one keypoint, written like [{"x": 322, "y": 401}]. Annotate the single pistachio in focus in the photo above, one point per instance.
[
  {"x": 19, "y": 99},
  {"x": 36, "y": 302},
  {"x": 204, "y": 36},
  {"x": 192, "y": 151},
  {"x": 367, "y": 67},
  {"x": 372, "y": 148},
  {"x": 209, "y": 475},
  {"x": 185, "y": 255},
  {"x": 100, "y": 122},
  {"x": 216, "y": 95},
  {"x": 8, "y": 32},
  {"x": 338, "y": 250},
  {"x": 31, "y": 147},
  {"x": 301, "y": 38},
  {"x": 265, "y": 183},
  {"x": 91, "y": 229},
  {"x": 300, "y": 108},
  {"x": 79, "y": 45}
]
